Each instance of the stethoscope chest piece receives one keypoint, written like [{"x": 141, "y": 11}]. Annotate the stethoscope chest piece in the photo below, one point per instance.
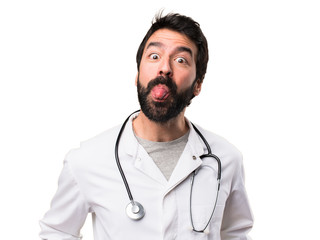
[{"x": 135, "y": 210}]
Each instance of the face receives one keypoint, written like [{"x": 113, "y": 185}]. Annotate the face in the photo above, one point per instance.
[{"x": 166, "y": 79}]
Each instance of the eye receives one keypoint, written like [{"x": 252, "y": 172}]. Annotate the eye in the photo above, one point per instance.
[
  {"x": 181, "y": 60},
  {"x": 154, "y": 56}
]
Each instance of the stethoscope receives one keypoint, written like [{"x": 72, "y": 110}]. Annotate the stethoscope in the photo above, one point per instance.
[{"x": 135, "y": 210}]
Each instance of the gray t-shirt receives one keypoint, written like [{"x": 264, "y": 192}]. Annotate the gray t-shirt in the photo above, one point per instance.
[{"x": 165, "y": 154}]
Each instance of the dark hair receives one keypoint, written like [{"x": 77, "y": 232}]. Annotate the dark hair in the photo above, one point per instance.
[{"x": 186, "y": 26}]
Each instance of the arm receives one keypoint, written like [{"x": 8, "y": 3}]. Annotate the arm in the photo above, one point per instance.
[
  {"x": 68, "y": 210},
  {"x": 237, "y": 218}
]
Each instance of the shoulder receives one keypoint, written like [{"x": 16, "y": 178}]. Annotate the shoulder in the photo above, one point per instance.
[
  {"x": 95, "y": 148},
  {"x": 222, "y": 147},
  {"x": 230, "y": 157}
]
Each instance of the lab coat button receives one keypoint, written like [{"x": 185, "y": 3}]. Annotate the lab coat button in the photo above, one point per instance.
[{"x": 194, "y": 157}]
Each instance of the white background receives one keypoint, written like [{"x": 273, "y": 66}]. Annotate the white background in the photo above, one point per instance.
[{"x": 67, "y": 71}]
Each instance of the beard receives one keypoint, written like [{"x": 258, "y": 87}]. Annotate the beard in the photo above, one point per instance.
[{"x": 171, "y": 107}]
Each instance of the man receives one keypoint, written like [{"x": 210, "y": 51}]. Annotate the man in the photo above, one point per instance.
[{"x": 160, "y": 158}]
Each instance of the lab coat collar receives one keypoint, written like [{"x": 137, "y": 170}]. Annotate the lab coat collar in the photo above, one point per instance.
[
  {"x": 188, "y": 162},
  {"x": 131, "y": 143},
  {"x": 128, "y": 138}
]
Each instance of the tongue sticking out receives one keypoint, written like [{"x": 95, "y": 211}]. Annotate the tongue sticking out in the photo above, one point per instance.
[{"x": 160, "y": 92}]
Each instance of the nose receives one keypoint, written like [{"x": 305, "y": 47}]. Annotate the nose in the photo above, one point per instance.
[{"x": 165, "y": 68}]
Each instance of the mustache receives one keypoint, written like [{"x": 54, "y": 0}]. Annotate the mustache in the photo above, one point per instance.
[{"x": 167, "y": 81}]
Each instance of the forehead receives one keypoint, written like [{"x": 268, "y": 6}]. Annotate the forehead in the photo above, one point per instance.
[{"x": 171, "y": 39}]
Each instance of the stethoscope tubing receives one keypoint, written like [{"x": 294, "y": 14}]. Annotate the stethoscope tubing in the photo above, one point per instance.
[
  {"x": 194, "y": 173},
  {"x": 136, "y": 205},
  {"x": 209, "y": 154},
  {"x": 117, "y": 157}
]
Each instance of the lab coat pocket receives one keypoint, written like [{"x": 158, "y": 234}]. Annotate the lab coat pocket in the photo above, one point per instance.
[
  {"x": 204, "y": 195},
  {"x": 212, "y": 228},
  {"x": 199, "y": 236},
  {"x": 205, "y": 215}
]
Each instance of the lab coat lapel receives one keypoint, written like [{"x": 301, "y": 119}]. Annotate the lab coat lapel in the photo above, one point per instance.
[
  {"x": 141, "y": 158},
  {"x": 146, "y": 164},
  {"x": 189, "y": 160}
]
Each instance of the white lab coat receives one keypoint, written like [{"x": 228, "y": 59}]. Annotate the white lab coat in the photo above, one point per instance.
[{"x": 90, "y": 183}]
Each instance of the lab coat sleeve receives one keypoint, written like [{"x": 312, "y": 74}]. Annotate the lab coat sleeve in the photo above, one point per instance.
[
  {"x": 68, "y": 210},
  {"x": 237, "y": 218}
]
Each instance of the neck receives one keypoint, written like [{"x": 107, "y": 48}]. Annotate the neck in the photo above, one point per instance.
[{"x": 160, "y": 132}]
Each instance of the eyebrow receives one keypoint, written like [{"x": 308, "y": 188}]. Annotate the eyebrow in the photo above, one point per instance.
[{"x": 178, "y": 49}]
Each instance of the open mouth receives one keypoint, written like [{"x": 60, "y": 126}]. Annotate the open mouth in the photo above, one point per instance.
[{"x": 160, "y": 93}]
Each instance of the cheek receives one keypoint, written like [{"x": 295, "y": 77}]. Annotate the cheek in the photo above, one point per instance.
[
  {"x": 185, "y": 79},
  {"x": 146, "y": 72}
]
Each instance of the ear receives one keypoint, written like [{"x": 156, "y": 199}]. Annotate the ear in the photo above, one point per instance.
[{"x": 197, "y": 88}]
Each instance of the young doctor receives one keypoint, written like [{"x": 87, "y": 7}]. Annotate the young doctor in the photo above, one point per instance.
[{"x": 157, "y": 176}]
